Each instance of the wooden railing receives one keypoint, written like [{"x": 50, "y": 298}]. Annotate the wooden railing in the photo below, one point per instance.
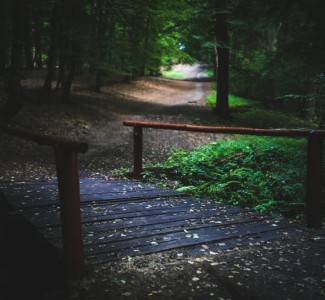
[
  {"x": 65, "y": 154},
  {"x": 314, "y": 181}
]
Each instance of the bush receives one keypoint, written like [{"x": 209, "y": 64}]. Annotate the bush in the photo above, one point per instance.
[{"x": 263, "y": 173}]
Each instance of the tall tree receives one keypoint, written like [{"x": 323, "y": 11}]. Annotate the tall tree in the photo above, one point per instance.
[
  {"x": 51, "y": 52},
  {"x": 12, "y": 81},
  {"x": 73, "y": 13},
  {"x": 222, "y": 57},
  {"x": 101, "y": 14},
  {"x": 3, "y": 36},
  {"x": 28, "y": 37}
]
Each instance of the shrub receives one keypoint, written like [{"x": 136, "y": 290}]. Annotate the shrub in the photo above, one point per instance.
[{"x": 263, "y": 173}]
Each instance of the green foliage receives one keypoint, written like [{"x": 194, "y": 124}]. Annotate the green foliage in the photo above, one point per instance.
[
  {"x": 173, "y": 74},
  {"x": 268, "y": 118},
  {"x": 266, "y": 174},
  {"x": 234, "y": 101}
]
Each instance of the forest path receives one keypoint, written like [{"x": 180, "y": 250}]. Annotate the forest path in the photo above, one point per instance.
[
  {"x": 97, "y": 118},
  {"x": 148, "y": 99}
]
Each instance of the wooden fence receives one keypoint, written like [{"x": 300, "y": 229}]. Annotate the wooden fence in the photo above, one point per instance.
[
  {"x": 314, "y": 180},
  {"x": 65, "y": 154}
]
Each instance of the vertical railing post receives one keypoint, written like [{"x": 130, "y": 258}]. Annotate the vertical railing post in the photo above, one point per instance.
[
  {"x": 314, "y": 189},
  {"x": 69, "y": 192},
  {"x": 137, "y": 154}
]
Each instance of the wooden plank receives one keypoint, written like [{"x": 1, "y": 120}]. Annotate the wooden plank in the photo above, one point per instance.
[
  {"x": 315, "y": 182},
  {"x": 85, "y": 184},
  {"x": 254, "y": 239},
  {"x": 128, "y": 219},
  {"x": 208, "y": 248},
  {"x": 158, "y": 230},
  {"x": 51, "y": 217},
  {"x": 179, "y": 240},
  {"x": 222, "y": 129},
  {"x": 95, "y": 236},
  {"x": 48, "y": 140},
  {"x": 183, "y": 238},
  {"x": 27, "y": 201},
  {"x": 28, "y": 196},
  {"x": 120, "y": 225}
]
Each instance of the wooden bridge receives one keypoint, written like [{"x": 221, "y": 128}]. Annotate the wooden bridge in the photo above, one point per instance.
[
  {"x": 92, "y": 220},
  {"x": 128, "y": 218}
]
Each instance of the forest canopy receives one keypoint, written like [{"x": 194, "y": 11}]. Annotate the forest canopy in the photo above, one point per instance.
[{"x": 259, "y": 49}]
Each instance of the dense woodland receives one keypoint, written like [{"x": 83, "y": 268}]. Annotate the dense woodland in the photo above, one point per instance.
[
  {"x": 264, "y": 50},
  {"x": 266, "y": 53}
]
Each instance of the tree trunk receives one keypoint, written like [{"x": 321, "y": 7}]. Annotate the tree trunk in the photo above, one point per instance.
[
  {"x": 52, "y": 53},
  {"x": 222, "y": 57},
  {"x": 27, "y": 39},
  {"x": 37, "y": 42},
  {"x": 68, "y": 82},
  {"x": 72, "y": 40},
  {"x": 3, "y": 39},
  {"x": 100, "y": 45},
  {"x": 15, "y": 102},
  {"x": 62, "y": 72}
]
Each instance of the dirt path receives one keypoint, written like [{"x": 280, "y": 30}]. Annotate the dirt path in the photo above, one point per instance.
[
  {"x": 151, "y": 99},
  {"x": 97, "y": 119}
]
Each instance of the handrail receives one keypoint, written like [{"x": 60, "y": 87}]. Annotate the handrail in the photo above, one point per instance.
[
  {"x": 314, "y": 180},
  {"x": 46, "y": 140},
  {"x": 65, "y": 153},
  {"x": 223, "y": 129}
]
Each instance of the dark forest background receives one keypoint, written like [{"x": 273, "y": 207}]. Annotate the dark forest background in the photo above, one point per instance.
[{"x": 264, "y": 50}]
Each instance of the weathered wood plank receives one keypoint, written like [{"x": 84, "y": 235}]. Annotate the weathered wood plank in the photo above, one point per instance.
[
  {"x": 28, "y": 195},
  {"x": 51, "y": 217},
  {"x": 131, "y": 218},
  {"x": 158, "y": 229},
  {"x": 194, "y": 237}
]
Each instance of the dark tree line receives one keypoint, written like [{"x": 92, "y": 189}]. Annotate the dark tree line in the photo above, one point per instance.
[{"x": 258, "y": 49}]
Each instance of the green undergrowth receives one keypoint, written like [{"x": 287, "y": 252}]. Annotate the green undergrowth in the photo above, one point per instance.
[
  {"x": 234, "y": 101},
  {"x": 173, "y": 75},
  {"x": 262, "y": 173},
  {"x": 267, "y": 118}
]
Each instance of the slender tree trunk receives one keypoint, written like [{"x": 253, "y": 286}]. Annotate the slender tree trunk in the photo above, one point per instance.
[
  {"x": 27, "y": 40},
  {"x": 62, "y": 72},
  {"x": 52, "y": 53},
  {"x": 68, "y": 82},
  {"x": 145, "y": 47},
  {"x": 222, "y": 56},
  {"x": 15, "y": 102},
  {"x": 37, "y": 41},
  {"x": 72, "y": 15},
  {"x": 100, "y": 45},
  {"x": 3, "y": 39}
]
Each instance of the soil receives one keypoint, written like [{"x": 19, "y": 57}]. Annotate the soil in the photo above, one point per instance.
[{"x": 292, "y": 268}]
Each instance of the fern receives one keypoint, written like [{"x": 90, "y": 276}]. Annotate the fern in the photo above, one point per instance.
[{"x": 266, "y": 174}]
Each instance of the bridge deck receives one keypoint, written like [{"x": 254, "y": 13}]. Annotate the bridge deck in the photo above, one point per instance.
[{"x": 127, "y": 218}]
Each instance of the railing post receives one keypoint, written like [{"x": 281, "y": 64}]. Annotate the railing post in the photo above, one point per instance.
[
  {"x": 68, "y": 184},
  {"x": 138, "y": 148},
  {"x": 315, "y": 185}
]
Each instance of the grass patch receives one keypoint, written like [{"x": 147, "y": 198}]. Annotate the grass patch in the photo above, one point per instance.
[
  {"x": 234, "y": 101},
  {"x": 172, "y": 74}
]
